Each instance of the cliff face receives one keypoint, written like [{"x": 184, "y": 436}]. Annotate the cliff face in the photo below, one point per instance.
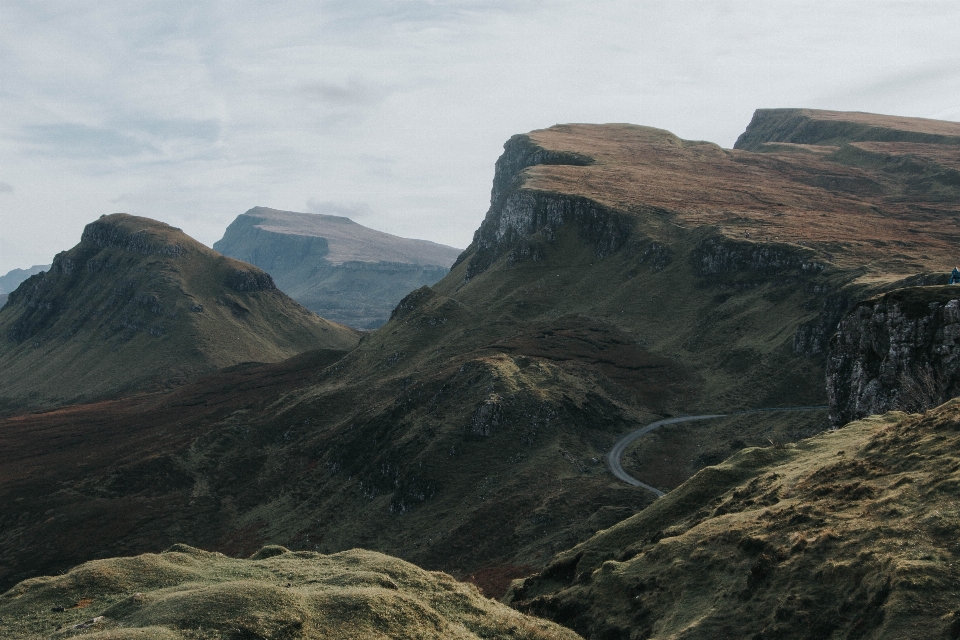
[
  {"x": 899, "y": 351},
  {"x": 138, "y": 304},
  {"x": 334, "y": 266}
]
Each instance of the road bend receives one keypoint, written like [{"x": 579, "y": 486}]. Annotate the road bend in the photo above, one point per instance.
[{"x": 613, "y": 458}]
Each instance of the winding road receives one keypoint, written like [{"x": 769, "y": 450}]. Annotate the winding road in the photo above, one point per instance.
[{"x": 613, "y": 458}]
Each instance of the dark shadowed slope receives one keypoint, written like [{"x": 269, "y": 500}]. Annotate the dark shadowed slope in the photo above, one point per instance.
[
  {"x": 139, "y": 305},
  {"x": 334, "y": 266}
]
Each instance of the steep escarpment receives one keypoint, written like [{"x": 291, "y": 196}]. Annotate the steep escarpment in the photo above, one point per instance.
[
  {"x": 139, "y": 305},
  {"x": 897, "y": 351},
  {"x": 847, "y": 534},
  {"x": 334, "y": 266},
  {"x": 835, "y": 128},
  {"x": 633, "y": 276}
]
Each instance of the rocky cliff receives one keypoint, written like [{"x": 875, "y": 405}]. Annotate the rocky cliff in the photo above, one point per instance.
[
  {"x": 138, "y": 304},
  {"x": 334, "y": 266},
  {"x": 896, "y": 352}
]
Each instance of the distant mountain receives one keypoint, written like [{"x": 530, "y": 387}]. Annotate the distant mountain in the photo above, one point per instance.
[
  {"x": 3, "y": 299},
  {"x": 139, "y": 304},
  {"x": 334, "y": 266},
  {"x": 13, "y": 278}
]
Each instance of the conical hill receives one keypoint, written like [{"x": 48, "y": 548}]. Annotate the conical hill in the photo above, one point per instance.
[{"x": 138, "y": 304}]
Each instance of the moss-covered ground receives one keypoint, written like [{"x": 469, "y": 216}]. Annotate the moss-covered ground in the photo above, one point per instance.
[{"x": 188, "y": 594}]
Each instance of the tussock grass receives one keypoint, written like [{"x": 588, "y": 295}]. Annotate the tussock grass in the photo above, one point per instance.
[
  {"x": 186, "y": 593},
  {"x": 851, "y": 533}
]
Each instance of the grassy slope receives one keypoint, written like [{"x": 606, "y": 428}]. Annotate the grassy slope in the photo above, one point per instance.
[
  {"x": 847, "y": 534},
  {"x": 108, "y": 319},
  {"x": 188, "y": 593}
]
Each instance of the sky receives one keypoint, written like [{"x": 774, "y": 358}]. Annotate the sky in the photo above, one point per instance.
[{"x": 394, "y": 113}]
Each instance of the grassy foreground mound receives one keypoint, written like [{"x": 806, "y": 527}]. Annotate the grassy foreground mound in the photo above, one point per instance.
[
  {"x": 138, "y": 304},
  {"x": 276, "y": 594},
  {"x": 850, "y": 534}
]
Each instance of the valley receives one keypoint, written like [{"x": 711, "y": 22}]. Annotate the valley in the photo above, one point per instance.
[{"x": 621, "y": 277}]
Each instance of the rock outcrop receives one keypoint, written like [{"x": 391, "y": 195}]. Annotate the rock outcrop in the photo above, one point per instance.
[
  {"x": 896, "y": 352},
  {"x": 12, "y": 279},
  {"x": 333, "y": 266}
]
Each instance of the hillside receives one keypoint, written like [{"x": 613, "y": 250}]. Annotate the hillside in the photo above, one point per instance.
[
  {"x": 276, "y": 594},
  {"x": 334, "y": 266},
  {"x": 140, "y": 305},
  {"x": 621, "y": 275},
  {"x": 849, "y": 534},
  {"x": 12, "y": 279}
]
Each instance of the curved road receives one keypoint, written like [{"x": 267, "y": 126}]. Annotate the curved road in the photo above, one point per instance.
[{"x": 613, "y": 458}]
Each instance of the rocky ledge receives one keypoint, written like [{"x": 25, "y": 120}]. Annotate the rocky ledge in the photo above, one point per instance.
[{"x": 896, "y": 351}]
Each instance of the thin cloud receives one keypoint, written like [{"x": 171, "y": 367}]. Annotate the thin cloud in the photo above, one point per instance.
[
  {"x": 352, "y": 210},
  {"x": 352, "y": 93},
  {"x": 6, "y": 188},
  {"x": 81, "y": 141}
]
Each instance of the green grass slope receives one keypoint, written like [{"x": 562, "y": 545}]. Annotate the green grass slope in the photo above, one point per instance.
[
  {"x": 137, "y": 305},
  {"x": 848, "y": 534},
  {"x": 185, "y": 593}
]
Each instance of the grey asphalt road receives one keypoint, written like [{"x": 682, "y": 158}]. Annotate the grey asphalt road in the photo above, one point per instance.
[{"x": 613, "y": 458}]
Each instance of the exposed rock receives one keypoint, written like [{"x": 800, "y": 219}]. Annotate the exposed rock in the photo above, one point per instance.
[
  {"x": 897, "y": 351},
  {"x": 717, "y": 255},
  {"x": 243, "y": 280},
  {"x": 105, "y": 233},
  {"x": 14, "y": 277},
  {"x": 815, "y": 127},
  {"x": 524, "y": 219}
]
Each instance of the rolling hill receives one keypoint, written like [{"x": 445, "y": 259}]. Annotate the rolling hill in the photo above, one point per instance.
[
  {"x": 621, "y": 275},
  {"x": 334, "y": 266},
  {"x": 139, "y": 305}
]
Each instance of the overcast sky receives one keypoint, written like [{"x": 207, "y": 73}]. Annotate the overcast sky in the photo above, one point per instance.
[{"x": 393, "y": 113}]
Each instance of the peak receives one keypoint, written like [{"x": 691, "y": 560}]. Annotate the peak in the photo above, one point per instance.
[{"x": 134, "y": 233}]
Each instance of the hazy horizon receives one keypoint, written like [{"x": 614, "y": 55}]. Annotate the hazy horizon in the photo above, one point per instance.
[{"x": 393, "y": 114}]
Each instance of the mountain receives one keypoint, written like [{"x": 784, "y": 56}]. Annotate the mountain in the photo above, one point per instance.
[
  {"x": 139, "y": 305},
  {"x": 12, "y": 279},
  {"x": 850, "y": 534},
  {"x": 334, "y": 266},
  {"x": 188, "y": 593},
  {"x": 621, "y": 276}
]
